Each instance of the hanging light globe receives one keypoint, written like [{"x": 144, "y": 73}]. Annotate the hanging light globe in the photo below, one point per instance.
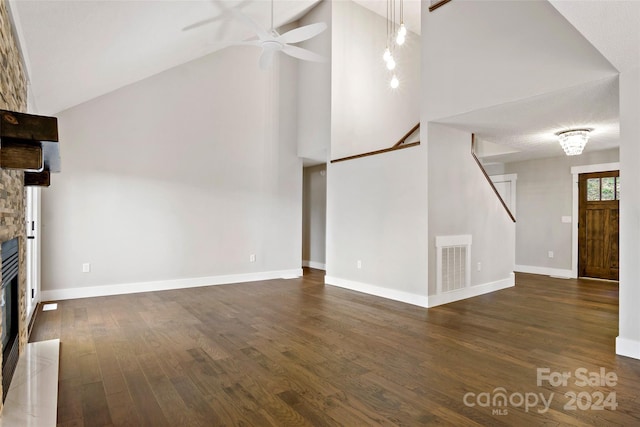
[
  {"x": 386, "y": 55},
  {"x": 391, "y": 63},
  {"x": 394, "y": 83}
]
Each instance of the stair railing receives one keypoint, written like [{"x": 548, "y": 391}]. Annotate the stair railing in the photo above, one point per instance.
[
  {"x": 401, "y": 144},
  {"x": 486, "y": 175}
]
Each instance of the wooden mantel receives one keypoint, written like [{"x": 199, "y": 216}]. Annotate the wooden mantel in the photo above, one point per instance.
[{"x": 29, "y": 142}]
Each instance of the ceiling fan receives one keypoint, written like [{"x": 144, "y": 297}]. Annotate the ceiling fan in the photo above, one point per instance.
[{"x": 268, "y": 39}]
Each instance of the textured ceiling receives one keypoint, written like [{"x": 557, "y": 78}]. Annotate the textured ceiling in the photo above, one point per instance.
[{"x": 527, "y": 128}]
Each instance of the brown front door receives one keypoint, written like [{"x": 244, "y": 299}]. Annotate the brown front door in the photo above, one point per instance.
[{"x": 598, "y": 225}]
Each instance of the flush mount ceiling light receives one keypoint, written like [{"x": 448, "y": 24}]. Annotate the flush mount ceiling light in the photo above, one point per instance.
[{"x": 573, "y": 141}]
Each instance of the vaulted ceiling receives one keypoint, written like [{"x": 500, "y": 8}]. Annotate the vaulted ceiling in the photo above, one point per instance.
[{"x": 78, "y": 50}]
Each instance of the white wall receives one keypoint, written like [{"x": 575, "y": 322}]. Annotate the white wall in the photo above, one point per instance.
[
  {"x": 314, "y": 216},
  {"x": 377, "y": 213},
  {"x": 628, "y": 341},
  {"x": 483, "y": 53},
  {"x": 376, "y": 206},
  {"x": 367, "y": 114},
  {"x": 544, "y": 196},
  {"x": 182, "y": 175},
  {"x": 461, "y": 201},
  {"x": 314, "y": 90}
]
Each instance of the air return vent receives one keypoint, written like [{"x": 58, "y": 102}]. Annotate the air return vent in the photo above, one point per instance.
[{"x": 453, "y": 263}]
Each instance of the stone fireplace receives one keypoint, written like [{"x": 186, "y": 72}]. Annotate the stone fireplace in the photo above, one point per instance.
[{"x": 13, "y": 96}]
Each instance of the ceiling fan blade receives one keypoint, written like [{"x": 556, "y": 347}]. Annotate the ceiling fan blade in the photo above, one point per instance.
[
  {"x": 242, "y": 4},
  {"x": 224, "y": 10},
  {"x": 251, "y": 24},
  {"x": 300, "y": 53},
  {"x": 266, "y": 58},
  {"x": 302, "y": 33},
  {"x": 257, "y": 43},
  {"x": 201, "y": 23}
]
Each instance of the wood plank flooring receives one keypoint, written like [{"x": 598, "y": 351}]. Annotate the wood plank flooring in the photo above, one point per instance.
[{"x": 296, "y": 352}]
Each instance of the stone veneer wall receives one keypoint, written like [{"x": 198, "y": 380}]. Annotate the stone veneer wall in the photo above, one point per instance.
[{"x": 13, "y": 96}]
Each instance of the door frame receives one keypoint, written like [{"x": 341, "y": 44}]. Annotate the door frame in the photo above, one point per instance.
[
  {"x": 576, "y": 171},
  {"x": 33, "y": 198}
]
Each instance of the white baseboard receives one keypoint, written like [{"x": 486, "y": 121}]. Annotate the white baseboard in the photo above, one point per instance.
[
  {"x": 164, "y": 285},
  {"x": 473, "y": 291},
  {"x": 313, "y": 264},
  {"x": 546, "y": 271},
  {"x": 406, "y": 297},
  {"x": 627, "y": 347}
]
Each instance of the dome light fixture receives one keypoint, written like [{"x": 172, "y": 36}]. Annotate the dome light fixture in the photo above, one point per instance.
[{"x": 573, "y": 141}]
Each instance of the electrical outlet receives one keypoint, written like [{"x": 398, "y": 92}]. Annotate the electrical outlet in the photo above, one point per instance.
[
  {"x": 479, "y": 266},
  {"x": 252, "y": 258},
  {"x": 86, "y": 267},
  {"x": 550, "y": 254},
  {"x": 359, "y": 264}
]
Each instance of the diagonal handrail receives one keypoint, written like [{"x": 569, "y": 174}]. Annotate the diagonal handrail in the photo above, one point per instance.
[
  {"x": 407, "y": 135},
  {"x": 486, "y": 175},
  {"x": 437, "y": 4},
  {"x": 397, "y": 146}
]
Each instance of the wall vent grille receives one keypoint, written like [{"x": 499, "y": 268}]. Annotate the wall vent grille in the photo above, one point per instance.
[{"x": 453, "y": 264}]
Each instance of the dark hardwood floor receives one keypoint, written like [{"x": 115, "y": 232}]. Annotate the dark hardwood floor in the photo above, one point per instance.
[{"x": 296, "y": 352}]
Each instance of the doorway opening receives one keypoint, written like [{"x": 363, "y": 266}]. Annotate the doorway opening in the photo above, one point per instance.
[{"x": 314, "y": 216}]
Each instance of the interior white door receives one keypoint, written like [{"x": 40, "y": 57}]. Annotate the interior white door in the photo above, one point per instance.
[{"x": 505, "y": 185}]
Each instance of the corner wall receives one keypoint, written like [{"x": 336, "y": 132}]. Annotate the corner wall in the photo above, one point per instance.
[
  {"x": 461, "y": 202},
  {"x": 176, "y": 180}
]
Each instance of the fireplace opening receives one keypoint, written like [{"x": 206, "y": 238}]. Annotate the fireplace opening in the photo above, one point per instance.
[{"x": 9, "y": 305}]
